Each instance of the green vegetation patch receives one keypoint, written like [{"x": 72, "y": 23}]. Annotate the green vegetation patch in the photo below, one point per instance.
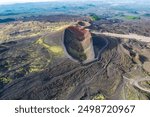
[
  {"x": 148, "y": 82},
  {"x": 21, "y": 72},
  {"x": 38, "y": 65},
  {"x": 56, "y": 50},
  {"x": 131, "y": 17},
  {"x": 5, "y": 80},
  {"x": 94, "y": 17},
  {"x": 99, "y": 97},
  {"x": 131, "y": 94}
]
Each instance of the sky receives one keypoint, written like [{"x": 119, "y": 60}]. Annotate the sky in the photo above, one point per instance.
[{"x": 23, "y": 1}]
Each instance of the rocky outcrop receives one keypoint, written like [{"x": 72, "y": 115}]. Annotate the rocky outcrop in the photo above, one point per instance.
[{"x": 78, "y": 43}]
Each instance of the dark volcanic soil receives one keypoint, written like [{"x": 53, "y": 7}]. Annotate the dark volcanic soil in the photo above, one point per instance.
[
  {"x": 140, "y": 27},
  {"x": 39, "y": 68},
  {"x": 29, "y": 71}
]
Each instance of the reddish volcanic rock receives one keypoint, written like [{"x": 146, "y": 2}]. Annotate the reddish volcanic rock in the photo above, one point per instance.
[
  {"x": 79, "y": 32},
  {"x": 78, "y": 43}
]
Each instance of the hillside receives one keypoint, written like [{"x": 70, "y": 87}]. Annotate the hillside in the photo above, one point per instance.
[
  {"x": 93, "y": 50},
  {"x": 40, "y": 68}
]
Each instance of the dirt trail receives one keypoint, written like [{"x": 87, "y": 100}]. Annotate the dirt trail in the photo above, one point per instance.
[
  {"x": 137, "y": 81},
  {"x": 129, "y": 36}
]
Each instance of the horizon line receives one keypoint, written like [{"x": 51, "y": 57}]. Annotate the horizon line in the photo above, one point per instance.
[{"x": 39, "y": 1}]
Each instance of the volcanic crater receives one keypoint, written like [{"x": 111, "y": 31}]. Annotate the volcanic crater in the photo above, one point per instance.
[{"x": 81, "y": 45}]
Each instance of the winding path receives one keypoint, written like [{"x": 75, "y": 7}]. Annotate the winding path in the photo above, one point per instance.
[
  {"x": 126, "y": 36},
  {"x": 136, "y": 37},
  {"x": 135, "y": 82}
]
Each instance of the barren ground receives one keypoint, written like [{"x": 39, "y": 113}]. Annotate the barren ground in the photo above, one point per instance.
[{"x": 38, "y": 67}]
